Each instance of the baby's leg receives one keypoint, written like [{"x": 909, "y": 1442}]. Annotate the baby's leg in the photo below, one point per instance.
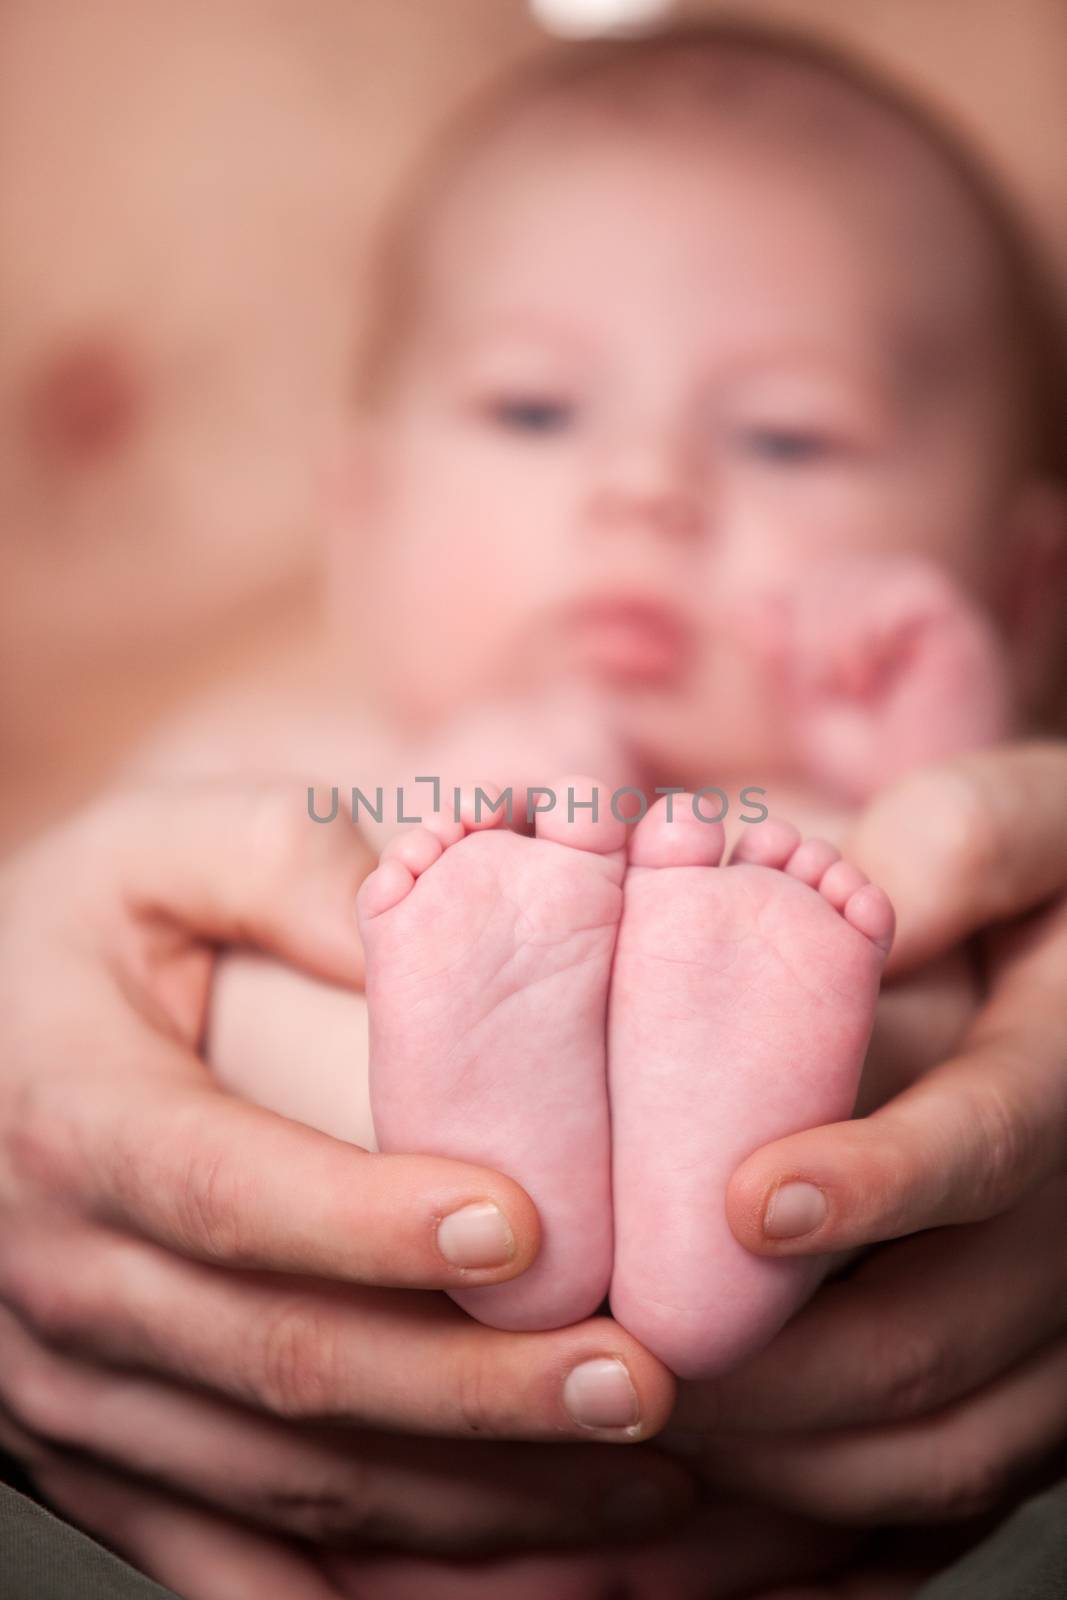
[
  {"x": 488, "y": 964},
  {"x": 291, "y": 1043},
  {"x": 887, "y": 665},
  {"x": 742, "y": 1002}
]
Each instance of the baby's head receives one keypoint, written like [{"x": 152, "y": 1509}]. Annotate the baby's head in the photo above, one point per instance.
[{"x": 666, "y": 322}]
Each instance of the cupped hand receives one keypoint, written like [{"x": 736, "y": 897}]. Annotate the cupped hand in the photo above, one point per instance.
[
  {"x": 931, "y": 1380},
  {"x": 976, "y": 847},
  {"x": 192, "y": 1287},
  {"x": 720, "y": 1553}
]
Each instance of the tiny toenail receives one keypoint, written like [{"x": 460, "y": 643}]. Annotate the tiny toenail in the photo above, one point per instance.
[
  {"x": 477, "y": 1235},
  {"x": 599, "y": 1394},
  {"x": 794, "y": 1209}
]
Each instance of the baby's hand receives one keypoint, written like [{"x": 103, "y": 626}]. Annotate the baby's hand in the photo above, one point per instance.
[{"x": 885, "y": 665}]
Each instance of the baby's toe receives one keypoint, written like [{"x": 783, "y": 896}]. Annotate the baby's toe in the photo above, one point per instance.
[
  {"x": 769, "y": 843},
  {"x": 386, "y": 886},
  {"x": 839, "y": 882},
  {"x": 416, "y": 848},
  {"x": 582, "y": 817},
  {"x": 870, "y": 911},
  {"x": 811, "y": 860},
  {"x": 672, "y": 834}
]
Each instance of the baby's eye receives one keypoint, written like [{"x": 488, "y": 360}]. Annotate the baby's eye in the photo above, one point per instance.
[
  {"x": 531, "y": 413},
  {"x": 787, "y": 446}
]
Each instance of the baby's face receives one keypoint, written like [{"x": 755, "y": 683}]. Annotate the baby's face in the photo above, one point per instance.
[{"x": 646, "y": 383}]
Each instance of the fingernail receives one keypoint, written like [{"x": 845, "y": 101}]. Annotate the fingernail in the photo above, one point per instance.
[
  {"x": 794, "y": 1209},
  {"x": 477, "y": 1235},
  {"x": 599, "y": 1394}
]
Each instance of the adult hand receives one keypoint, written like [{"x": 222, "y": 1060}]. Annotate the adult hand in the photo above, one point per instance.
[
  {"x": 722, "y": 1551},
  {"x": 191, "y": 1285},
  {"x": 933, "y": 1378}
]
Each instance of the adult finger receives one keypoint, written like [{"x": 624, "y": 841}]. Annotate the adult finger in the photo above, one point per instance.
[
  {"x": 329, "y": 1485},
  {"x": 225, "y": 862},
  {"x": 964, "y": 1142},
  {"x": 965, "y": 844},
  {"x": 722, "y": 1551},
  {"x": 166, "y": 1153},
  {"x": 915, "y": 1326},
  {"x": 169, "y": 1155},
  {"x": 308, "y": 1351},
  {"x": 951, "y": 1465},
  {"x": 197, "y": 1553}
]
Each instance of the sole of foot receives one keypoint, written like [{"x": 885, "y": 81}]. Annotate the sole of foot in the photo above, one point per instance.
[
  {"x": 742, "y": 1002},
  {"x": 489, "y": 961}
]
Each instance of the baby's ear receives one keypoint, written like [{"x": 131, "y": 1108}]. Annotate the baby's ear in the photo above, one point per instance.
[{"x": 1034, "y": 589}]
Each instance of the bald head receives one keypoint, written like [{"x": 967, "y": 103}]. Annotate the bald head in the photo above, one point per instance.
[{"x": 784, "y": 113}]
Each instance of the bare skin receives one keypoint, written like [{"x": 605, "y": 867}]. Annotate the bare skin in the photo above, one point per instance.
[
  {"x": 1005, "y": 857},
  {"x": 641, "y": 494},
  {"x": 743, "y": 1002},
  {"x": 488, "y": 963}
]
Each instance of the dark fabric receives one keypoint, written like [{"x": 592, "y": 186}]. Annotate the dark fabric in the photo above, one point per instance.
[
  {"x": 1024, "y": 1559},
  {"x": 42, "y": 1558}
]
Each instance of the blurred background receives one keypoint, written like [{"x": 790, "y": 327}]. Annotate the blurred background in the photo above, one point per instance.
[{"x": 187, "y": 193}]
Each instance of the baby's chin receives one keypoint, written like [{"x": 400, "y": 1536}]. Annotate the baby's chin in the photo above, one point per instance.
[
  {"x": 684, "y": 741},
  {"x": 573, "y": 719}
]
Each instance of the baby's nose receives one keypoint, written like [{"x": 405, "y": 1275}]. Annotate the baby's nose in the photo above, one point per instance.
[{"x": 656, "y": 488}]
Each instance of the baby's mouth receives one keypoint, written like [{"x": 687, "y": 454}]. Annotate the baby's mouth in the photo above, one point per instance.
[{"x": 629, "y": 639}]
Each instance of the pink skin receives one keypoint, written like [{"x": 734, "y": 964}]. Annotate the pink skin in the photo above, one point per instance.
[
  {"x": 885, "y": 663},
  {"x": 719, "y": 411},
  {"x": 595, "y": 448},
  {"x": 599, "y": 446},
  {"x": 742, "y": 1002},
  {"x": 489, "y": 958},
  {"x": 488, "y": 963}
]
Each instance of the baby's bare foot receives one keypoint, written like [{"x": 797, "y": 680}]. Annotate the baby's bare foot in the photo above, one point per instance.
[
  {"x": 488, "y": 964},
  {"x": 886, "y": 666},
  {"x": 742, "y": 1001}
]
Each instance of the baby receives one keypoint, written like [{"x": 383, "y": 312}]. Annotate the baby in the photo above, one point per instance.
[{"x": 705, "y": 444}]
